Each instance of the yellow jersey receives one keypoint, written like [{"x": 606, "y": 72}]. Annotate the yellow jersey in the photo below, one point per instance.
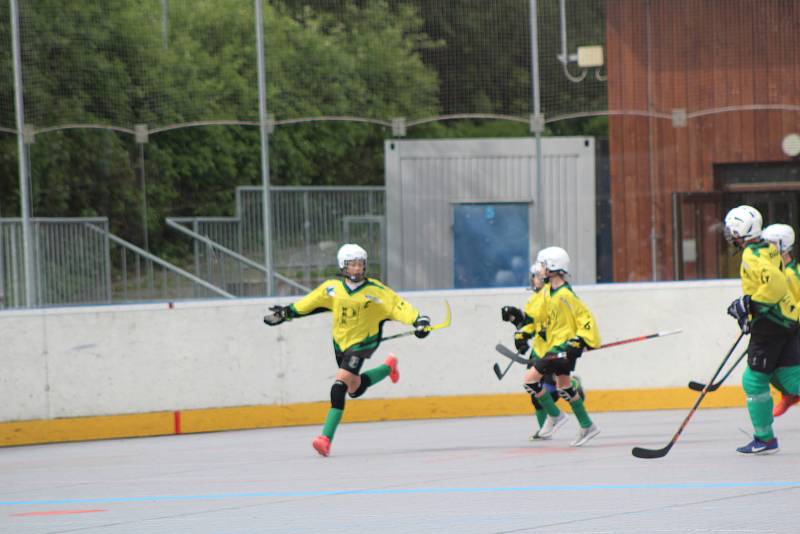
[
  {"x": 358, "y": 314},
  {"x": 764, "y": 281},
  {"x": 535, "y": 310},
  {"x": 793, "y": 280},
  {"x": 568, "y": 317}
]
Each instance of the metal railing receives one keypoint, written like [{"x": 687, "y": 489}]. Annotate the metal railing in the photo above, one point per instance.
[
  {"x": 227, "y": 268},
  {"x": 78, "y": 261},
  {"x": 148, "y": 277},
  {"x": 71, "y": 263},
  {"x": 308, "y": 225}
]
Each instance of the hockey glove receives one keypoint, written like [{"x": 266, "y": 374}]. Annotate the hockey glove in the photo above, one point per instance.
[
  {"x": 279, "y": 314},
  {"x": 574, "y": 348},
  {"x": 513, "y": 315},
  {"x": 739, "y": 310},
  {"x": 521, "y": 341},
  {"x": 422, "y": 326}
]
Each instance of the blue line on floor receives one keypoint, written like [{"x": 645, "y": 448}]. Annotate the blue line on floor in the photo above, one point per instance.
[{"x": 411, "y": 491}]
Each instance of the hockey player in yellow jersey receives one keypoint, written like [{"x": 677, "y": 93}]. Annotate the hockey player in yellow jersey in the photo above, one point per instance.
[
  {"x": 768, "y": 313},
  {"x": 360, "y": 305},
  {"x": 570, "y": 328},
  {"x": 529, "y": 323},
  {"x": 782, "y": 236}
]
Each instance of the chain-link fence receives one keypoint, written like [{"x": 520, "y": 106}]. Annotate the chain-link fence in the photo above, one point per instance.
[{"x": 147, "y": 109}]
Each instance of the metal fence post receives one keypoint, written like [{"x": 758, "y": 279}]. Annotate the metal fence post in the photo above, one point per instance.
[
  {"x": 22, "y": 150},
  {"x": 264, "y": 126}
]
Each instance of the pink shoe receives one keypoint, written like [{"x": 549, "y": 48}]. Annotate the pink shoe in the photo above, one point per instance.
[
  {"x": 394, "y": 373},
  {"x": 322, "y": 444},
  {"x": 786, "y": 402}
]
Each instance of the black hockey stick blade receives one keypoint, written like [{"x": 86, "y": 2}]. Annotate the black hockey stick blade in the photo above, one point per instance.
[
  {"x": 641, "y": 452},
  {"x": 697, "y": 386},
  {"x": 500, "y": 374},
  {"x": 497, "y": 371}
]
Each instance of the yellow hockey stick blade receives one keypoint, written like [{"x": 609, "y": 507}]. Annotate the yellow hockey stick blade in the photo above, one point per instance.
[{"x": 446, "y": 322}]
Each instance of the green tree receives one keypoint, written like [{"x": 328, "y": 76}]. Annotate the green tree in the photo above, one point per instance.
[{"x": 87, "y": 63}]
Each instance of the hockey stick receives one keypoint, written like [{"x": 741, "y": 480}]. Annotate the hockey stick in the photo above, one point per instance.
[
  {"x": 443, "y": 324},
  {"x": 517, "y": 357},
  {"x": 640, "y": 338},
  {"x": 510, "y": 354},
  {"x": 641, "y": 452},
  {"x": 697, "y": 386},
  {"x": 500, "y": 374}
]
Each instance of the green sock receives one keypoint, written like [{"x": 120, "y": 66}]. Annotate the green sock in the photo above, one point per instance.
[
  {"x": 580, "y": 412},
  {"x": 759, "y": 403},
  {"x": 788, "y": 379},
  {"x": 549, "y": 405},
  {"x": 759, "y": 407},
  {"x": 379, "y": 373},
  {"x": 541, "y": 415},
  {"x": 331, "y": 422}
]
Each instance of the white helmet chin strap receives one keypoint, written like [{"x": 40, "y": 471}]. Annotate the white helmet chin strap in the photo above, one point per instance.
[{"x": 353, "y": 279}]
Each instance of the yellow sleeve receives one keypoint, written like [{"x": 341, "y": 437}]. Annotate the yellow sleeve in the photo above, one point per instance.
[
  {"x": 586, "y": 325},
  {"x": 530, "y": 329},
  {"x": 536, "y": 311},
  {"x": 793, "y": 281},
  {"x": 318, "y": 300},
  {"x": 399, "y": 309}
]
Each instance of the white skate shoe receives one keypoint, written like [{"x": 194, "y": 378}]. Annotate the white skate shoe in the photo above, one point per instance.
[
  {"x": 552, "y": 424},
  {"x": 584, "y": 435}
]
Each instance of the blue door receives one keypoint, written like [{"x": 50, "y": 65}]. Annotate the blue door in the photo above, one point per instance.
[{"x": 491, "y": 247}]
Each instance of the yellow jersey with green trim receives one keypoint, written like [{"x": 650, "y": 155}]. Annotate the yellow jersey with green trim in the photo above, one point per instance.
[
  {"x": 568, "y": 318},
  {"x": 764, "y": 281},
  {"x": 535, "y": 310},
  {"x": 793, "y": 280},
  {"x": 358, "y": 314}
]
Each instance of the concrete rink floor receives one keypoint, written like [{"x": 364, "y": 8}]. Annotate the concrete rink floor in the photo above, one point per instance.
[{"x": 445, "y": 475}]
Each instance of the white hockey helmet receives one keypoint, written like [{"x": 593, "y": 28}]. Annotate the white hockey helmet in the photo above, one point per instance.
[
  {"x": 743, "y": 222},
  {"x": 554, "y": 259},
  {"x": 537, "y": 269},
  {"x": 350, "y": 252},
  {"x": 780, "y": 234}
]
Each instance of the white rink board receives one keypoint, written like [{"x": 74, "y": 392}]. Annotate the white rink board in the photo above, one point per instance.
[{"x": 70, "y": 362}]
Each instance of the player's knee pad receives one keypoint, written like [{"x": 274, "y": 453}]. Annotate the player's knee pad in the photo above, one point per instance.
[
  {"x": 754, "y": 382},
  {"x": 568, "y": 394},
  {"x": 365, "y": 383},
  {"x": 533, "y": 389},
  {"x": 338, "y": 390}
]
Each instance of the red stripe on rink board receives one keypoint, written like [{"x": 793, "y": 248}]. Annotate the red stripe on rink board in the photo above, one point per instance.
[
  {"x": 58, "y": 512},
  {"x": 177, "y": 422}
]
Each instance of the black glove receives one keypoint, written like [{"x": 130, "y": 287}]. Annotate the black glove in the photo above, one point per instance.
[
  {"x": 574, "y": 347},
  {"x": 279, "y": 314},
  {"x": 422, "y": 326},
  {"x": 521, "y": 341},
  {"x": 739, "y": 310},
  {"x": 510, "y": 314}
]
